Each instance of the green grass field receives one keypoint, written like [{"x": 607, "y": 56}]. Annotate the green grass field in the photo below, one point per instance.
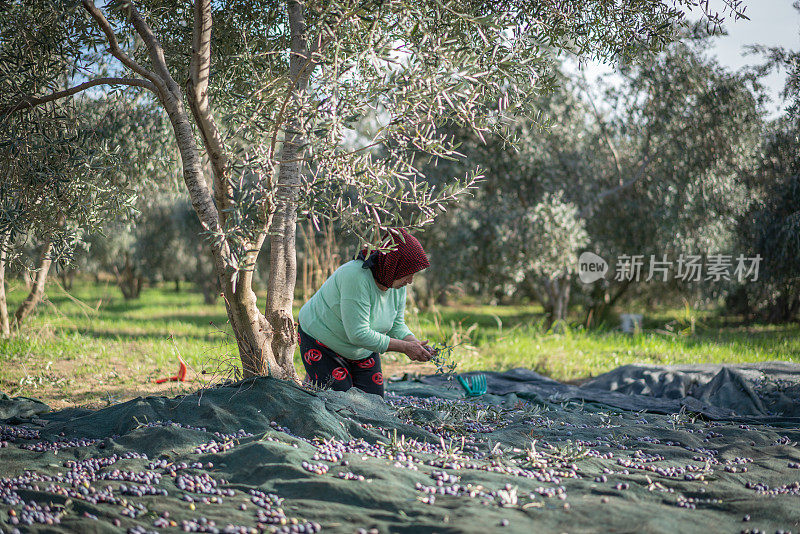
[{"x": 91, "y": 347}]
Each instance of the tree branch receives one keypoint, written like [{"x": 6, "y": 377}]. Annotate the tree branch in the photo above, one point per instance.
[
  {"x": 537, "y": 294},
  {"x": 625, "y": 185},
  {"x": 197, "y": 92},
  {"x": 33, "y": 101},
  {"x": 171, "y": 96},
  {"x": 587, "y": 211},
  {"x": 289, "y": 93},
  {"x": 318, "y": 45},
  {"x": 154, "y": 49},
  {"x": 603, "y": 129},
  {"x": 115, "y": 50},
  {"x": 335, "y": 156}
]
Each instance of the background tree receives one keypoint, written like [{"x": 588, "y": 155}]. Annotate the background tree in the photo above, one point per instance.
[
  {"x": 652, "y": 166},
  {"x": 686, "y": 134},
  {"x": 526, "y": 243},
  {"x": 170, "y": 246},
  {"x": 771, "y": 227},
  {"x": 63, "y": 178},
  {"x": 161, "y": 242}
]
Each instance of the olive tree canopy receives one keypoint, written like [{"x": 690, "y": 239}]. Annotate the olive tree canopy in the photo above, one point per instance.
[{"x": 66, "y": 173}]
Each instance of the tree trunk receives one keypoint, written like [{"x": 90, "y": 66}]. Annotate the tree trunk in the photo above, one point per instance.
[
  {"x": 563, "y": 287},
  {"x": 254, "y": 335},
  {"x": 283, "y": 253},
  {"x": 603, "y": 301},
  {"x": 308, "y": 263},
  {"x": 67, "y": 277},
  {"x": 210, "y": 293},
  {"x": 129, "y": 280},
  {"x": 204, "y": 277},
  {"x": 5, "y": 327},
  {"x": 252, "y": 331},
  {"x": 37, "y": 290},
  {"x": 26, "y": 277},
  {"x": 784, "y": 308},
  {"x": 558, "y": 290},
  {"x": 555, "y": 297}
]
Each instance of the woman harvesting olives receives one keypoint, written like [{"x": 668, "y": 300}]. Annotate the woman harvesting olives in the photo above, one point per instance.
[{"x": 359, "y": 314}]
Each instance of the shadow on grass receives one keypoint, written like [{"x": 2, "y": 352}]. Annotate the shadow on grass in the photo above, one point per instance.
[
  {"x": 213, "y": 322},
  {"x": 112, "y": 304},
  {"x": 485, "y": 319},
  {"x": 121, "y": 335},
  {"x": 123, "y": 306},
  {"x": 112, "y": 301},
  {"x": 765, "y": 340}
]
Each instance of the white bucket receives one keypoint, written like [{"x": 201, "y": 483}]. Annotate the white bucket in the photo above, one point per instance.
[{"x": 631, "y": 322}]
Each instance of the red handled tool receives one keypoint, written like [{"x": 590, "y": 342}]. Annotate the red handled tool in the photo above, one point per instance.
[{"x": 180, "y": 377}]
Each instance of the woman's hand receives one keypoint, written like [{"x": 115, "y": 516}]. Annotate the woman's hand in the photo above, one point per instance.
[{"x": 418, "y": 351}]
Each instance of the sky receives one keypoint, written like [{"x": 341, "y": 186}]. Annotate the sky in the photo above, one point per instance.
[{"x": 772, "y": 23}]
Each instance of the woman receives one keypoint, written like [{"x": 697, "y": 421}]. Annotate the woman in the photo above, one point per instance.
[{"x": 358, "y": 314}]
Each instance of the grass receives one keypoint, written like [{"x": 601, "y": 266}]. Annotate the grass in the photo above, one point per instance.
[
  {"x": 503, "y": 338},
  {"x": 91, "y": 347}
]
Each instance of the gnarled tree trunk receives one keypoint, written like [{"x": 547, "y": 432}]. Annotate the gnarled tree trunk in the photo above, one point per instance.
[
  {"x": 265, "y": 346},
  {"x": 555, "y": 297},
  {"x": 249, "y": 327},
  {"x": 129, "y": 280},
  {"x": 283, "y": 253},
  {"x": 67, "y": 277},
  {"x": 27, "y": 279},
  {"x": 37, "y": 289},
  {"x": 602, "y": 302}
]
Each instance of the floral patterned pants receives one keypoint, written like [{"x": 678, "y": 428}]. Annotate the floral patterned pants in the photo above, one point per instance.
[{"x": 327, "y": 369}]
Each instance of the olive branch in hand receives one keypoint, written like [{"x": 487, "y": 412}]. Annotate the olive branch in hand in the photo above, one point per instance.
[{"x": 441, "y": 357}]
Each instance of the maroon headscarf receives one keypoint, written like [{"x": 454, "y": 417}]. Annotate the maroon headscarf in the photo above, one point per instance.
[{"x": 407, "y": 258}]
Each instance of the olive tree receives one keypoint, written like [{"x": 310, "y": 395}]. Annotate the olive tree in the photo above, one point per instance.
[
  {"x": 771, "y": 227},
  {"x": 68, "y": 166},
  {"x": 653, "y": 166},
  {"x": 271, "y": 88},
  {"x": 68, "y": 173},
  {"x": 553, "y": 234},
  {"x": 162, "y": 241},
  {"x": 169, "y": 246},
  {"x": 527, "y": 244},
  {"x": 684, "y": 134},
  {"x": 58, "y": 187}
]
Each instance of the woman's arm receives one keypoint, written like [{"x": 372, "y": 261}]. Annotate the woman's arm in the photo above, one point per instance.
[
  {"x": 404, "y": 340},
  {"x": 399, "y": 330}
]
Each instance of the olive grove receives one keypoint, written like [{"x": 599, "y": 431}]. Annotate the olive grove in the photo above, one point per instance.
[
  {"x": 771, "y": 225},
  {"x": 266, "y": 92}
]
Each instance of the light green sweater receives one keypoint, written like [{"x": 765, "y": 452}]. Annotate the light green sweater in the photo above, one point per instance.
[{"x": 352, "y": 316}]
